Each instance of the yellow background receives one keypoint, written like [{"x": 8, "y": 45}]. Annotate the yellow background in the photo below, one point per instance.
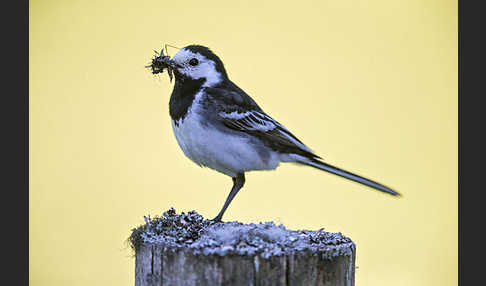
[{"x": 371, "y": 86}]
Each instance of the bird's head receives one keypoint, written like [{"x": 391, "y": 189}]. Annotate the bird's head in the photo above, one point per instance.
[{"x": 195, "y": 62}]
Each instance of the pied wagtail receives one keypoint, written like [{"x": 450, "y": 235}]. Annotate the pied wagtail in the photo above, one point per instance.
[{"x": 218, "y": 125}]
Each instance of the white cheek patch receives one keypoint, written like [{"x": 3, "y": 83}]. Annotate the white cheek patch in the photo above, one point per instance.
[{"x": 205, "y": 69}]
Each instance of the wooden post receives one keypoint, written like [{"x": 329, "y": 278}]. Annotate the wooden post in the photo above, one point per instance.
[{"x": 187, "y": 250}]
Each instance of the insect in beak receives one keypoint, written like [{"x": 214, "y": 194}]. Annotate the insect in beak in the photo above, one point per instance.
[{"x": 161, "y": 62}]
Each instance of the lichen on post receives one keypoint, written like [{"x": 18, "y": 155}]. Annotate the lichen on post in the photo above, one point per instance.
[{"x": 186, "y": 249}]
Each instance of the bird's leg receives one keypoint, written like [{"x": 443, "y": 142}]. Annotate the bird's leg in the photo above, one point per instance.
[{"x": 238, "y": 183}]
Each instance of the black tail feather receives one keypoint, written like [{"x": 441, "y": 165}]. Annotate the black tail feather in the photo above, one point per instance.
[{"x": 348, "y": 175}]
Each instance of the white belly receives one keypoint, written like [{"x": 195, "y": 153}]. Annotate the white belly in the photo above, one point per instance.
[{"x": 227, "y": 153}]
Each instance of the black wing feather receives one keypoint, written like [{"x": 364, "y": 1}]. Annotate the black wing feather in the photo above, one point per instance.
[{"x": 230, "y": 101}]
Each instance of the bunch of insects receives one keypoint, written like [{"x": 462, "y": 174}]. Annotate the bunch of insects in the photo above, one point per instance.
[{"x": 160, "y": 62}]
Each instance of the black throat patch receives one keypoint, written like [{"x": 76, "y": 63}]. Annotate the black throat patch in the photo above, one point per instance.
[{"x": 183, "y": 94}]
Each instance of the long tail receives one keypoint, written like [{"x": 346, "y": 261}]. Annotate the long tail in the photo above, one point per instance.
[{"x": 350, "y": 176}]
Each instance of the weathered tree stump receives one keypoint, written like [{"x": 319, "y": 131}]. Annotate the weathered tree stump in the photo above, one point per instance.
[{"x": 185, "y": 250}]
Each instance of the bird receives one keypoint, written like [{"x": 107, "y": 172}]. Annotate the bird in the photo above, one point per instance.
[{"x": 219, "y": 126}]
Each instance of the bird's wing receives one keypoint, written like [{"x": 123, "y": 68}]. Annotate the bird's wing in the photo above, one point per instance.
[{"x": 237, "y": 111}]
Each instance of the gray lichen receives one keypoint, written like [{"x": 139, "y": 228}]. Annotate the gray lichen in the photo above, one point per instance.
[{"x": 205, "y": 237}]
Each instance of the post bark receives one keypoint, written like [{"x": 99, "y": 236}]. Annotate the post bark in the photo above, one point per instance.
[{"x": 201, "y": 253}]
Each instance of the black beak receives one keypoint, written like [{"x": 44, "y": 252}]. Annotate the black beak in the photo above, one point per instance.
[{"x": 169, "y": 63}]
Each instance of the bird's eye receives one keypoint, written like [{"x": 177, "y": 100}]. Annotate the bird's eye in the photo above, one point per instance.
[{"x": 193, "y": 62}]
